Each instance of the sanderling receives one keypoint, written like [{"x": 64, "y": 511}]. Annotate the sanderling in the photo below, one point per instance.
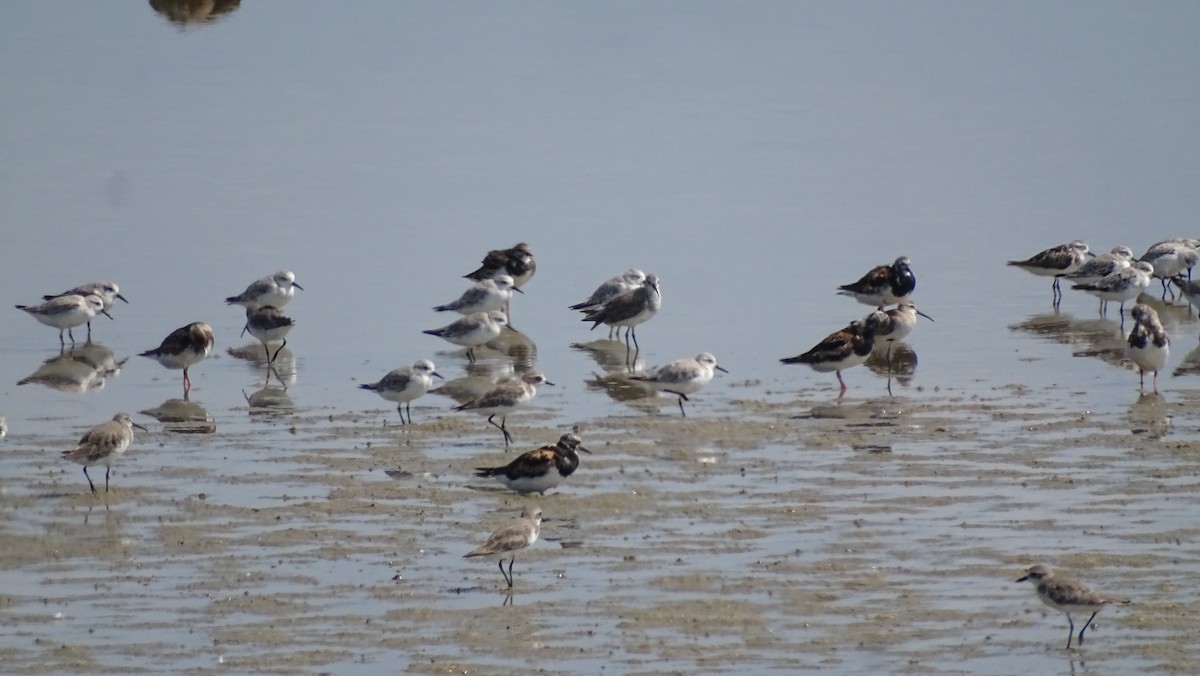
[
  {"x": 517, "y": 262},
  {"x": 473, "y": 330},
  {"x": 682, "y": 376},
  {"x": 542, "y": 468},
  {"x": 275, "y": 290},
  {"x": 1148, "y": 343},
  {"x": 1188, "y": 289},
  {"x": 66, "y": 312},
  {"x": 1067, "y": 595},
  {"x": 884, "y": 284},
  {"x": 505, "y": 398},
  {"x": 268, "y": 324},
  {"x": 405, "y": 384},
  {"x": 485, "y": 296},
  {"x": 899, "y": 322},
  {"x": 1170, "y": 258},
  {"x": 629, "y": 309},
  {"x": 182, "y": 348},
  {"x": 512, "y": 536},
  {"x": 104, "y": 443},
  {"x": 626, "y": 281},
  {"x": 1057, "y": 261},
  {"x": 843, "y": 349},
  {"x": 1121, "y": 285},
  {"x": 108, "y": 291},
  {"x": 1102, "y": 266}
]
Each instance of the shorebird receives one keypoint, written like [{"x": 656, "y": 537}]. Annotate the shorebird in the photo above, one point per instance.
[
  {"x": 405, "y": 384},
  {"x": 184, "y": 347},
  {"x": 485, "y": 296},
  {"x": 1122, "y": 285},
  {"x": 899, "y": 322},
  {"x": 268, "y": 325},
  {"x": 66, "y": 312},
  {"x": 1148, "y": 343},
  {"x": 108, "y": 291},
  {"x": 1068, "y": 595},
  {"x": 1058, "y": 261},
  {"x": 473, "y": 330},
  {"x": 517, "y": 262},
  {"x": 1102, "y": 266},
  {"x": 843, "y": 349},
  {"x": 509, "y": 538},
  {"x": 508, "y": 396},
  {"x": 542, "y": 468},
  {"x": 883, "y": 284},
  {"x": 682, "y": 376},
  {"x": 1170, "y": 258},
  {"x": 275, "y": 290},
  {"x": 104, "y": 443},
  {"x": 629, "y": 309}
]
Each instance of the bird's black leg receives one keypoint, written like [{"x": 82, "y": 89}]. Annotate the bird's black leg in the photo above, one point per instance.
[
  {"x": 89, "y": 478},
  {"x": 106, "y": 471},
  {"x": 1085, "y": 626},
  {"x": 1071, "y": 631}
]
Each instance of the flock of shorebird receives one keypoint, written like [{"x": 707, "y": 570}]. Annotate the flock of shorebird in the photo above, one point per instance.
[
  {"x": 1117, "y": 276},
  {"x": 627, "y": 301}
]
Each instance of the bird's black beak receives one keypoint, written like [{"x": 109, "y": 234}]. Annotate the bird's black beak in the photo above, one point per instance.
[
  {"x": 140, "y": 427},
  {"x": 105, "y": 313},
  {"x": 297, "y": 286},
  {"x": 581, "y": 448},
  {"x": 925, "y": 316},
  {"x": 122, "y": 298},
  {"x": 720, "y": 368},
  {"x": 435, "y": 373},
  {"x": 518, "y": 290}
]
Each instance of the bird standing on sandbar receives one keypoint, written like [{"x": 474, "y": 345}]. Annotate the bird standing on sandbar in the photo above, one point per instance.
[
  {"x": 66, "y": 312},
  {"x": 1058, "y": 261},
  {"x": 1067, "y": 595},
  {"x": 542, "y": 468},
  {"x": 1148, "y": 343},
  {"x": 404, "y": 385},
  {"x": 883, "y": 284},
  {"x": 510, "y": 395},
  {"x": 268, "y": 324},
  {"x": 184, "y": 347},
  {"x": 103, "y": 444},
  {"x": 843, "y": 349},
  {"x": 509, "y": 538},
  {"x": 682, "y": 376}
]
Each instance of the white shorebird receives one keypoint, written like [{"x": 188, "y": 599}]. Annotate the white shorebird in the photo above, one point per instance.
[
  {"x": 541, "y": 469},
  {"x": 843, "y": 349},
  {"x": 1122, "y": 285},
  {"x": 626, "y": 281},
  {"x": 900, "y": 321},
  {"x": 1058, "y": 261},
  {"x": 883, "y": 284},
  {"x": 405, "y": 384},
  {"x": 508, "y": 396},
  {"x": 485, "y": 296},
  {"x": 268, "y": 325},
  {"x": 473, "y": 330},
  {"x": 1102, "y": 266},
  {"x": 630, "y": 309},
  {"x": 108, "y": 291},
  {"x": 103, "y": 444},
  {"x": 184, "y": 347},
  {"x": 275, "y": 290},
  {"x": 1148, "y": 343},
  {"x": 1170, "y": 258},
  {"x": 1067, "y": 595},
  {"x": 682, "y": 376},
  {"x": 66, "y": 312},
  {"x": 509, "y": 538},
  {"x": 516, "y": 262}
]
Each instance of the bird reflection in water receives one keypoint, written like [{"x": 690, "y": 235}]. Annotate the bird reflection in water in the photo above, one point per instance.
[
  {"x": 183, "y": 416},
  {"x": 482, "y": 376},
  {"x": 516, "y": 346},
  {"x": 283, "y": 367},
  {"x": 269, "y": 401},
  {"x": 186, "y": 13},
  {"x": 1100, "y": 338},
  {"x": 901, "y": 365},
  {"x": 86, "y": 368},
  {"x": 612, "y": 357}
]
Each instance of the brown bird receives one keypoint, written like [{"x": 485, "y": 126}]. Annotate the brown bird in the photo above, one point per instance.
[
  {"x": 514, "y": 535},
  {"x": 540, "y": 469},
  {"x": 1068, "y": 595},
  {"x": 104, "y": 443},
  {"x": 184, "y": 347}
]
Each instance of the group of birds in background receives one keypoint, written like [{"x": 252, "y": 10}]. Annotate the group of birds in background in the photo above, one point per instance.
[{"x": 1117, "y": 276}]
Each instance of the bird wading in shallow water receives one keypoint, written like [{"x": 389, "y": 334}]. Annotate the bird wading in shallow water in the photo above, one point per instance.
[
  {"x": 843, "y": 349},
  {"x": 883, "y": 284},
  {"x": 1068, "y": 596},
  {"x": 509, "y": 538},
  {"x": 1058, "y": 261}
]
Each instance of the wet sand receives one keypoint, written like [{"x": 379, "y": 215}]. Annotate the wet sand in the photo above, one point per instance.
[{"x": 781, "y": 533}]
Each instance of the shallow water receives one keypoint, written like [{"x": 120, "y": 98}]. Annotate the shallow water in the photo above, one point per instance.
[{"x": 754, "y": 160}]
